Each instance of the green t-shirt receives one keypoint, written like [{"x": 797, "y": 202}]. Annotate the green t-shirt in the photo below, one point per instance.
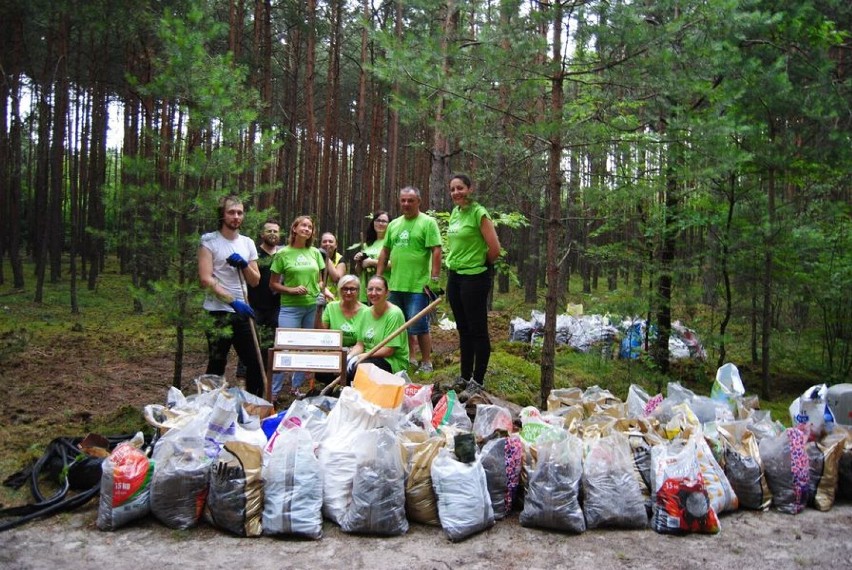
[
  {"x": 372, "y": 331},
  {"x": 372, "y": 251},
  {"x": 299, "y": 266},
  {"x": 410, "y": 243},
  {"x": 334, "y": 318},
  {"x": 467, "y": 248}
]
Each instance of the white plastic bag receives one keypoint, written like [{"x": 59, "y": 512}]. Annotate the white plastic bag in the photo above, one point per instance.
[
  {"x": 464, "y": 506},
  {"x": 728, "y": 386},
  {"x": 338, "y": 454},
  {"x": 811, "y": 410},
  {"x": 292, "y": 477}
]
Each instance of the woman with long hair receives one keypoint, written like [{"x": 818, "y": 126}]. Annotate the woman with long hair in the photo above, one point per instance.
[
  {"x": 334, "y": 269},
  {"x": 367, "y": 258},
  {"x": 296, "y": 274},
  {"x": 473, "y": 248}
]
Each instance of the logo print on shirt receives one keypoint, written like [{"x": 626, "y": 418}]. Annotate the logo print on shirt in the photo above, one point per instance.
[
  {"x": 403, "y": 238},
  {"x": 370, "y": 334}
]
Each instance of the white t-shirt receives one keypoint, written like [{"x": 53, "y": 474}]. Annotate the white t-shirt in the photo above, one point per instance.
[{"x": 222, "y": 248}]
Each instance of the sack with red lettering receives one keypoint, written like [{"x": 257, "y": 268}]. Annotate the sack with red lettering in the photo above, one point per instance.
[{"x": 125, "y": 485}]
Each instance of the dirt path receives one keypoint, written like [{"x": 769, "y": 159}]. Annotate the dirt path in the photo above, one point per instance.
[{"x": 749, "y": 540}]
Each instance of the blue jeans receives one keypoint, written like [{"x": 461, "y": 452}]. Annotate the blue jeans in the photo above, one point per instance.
[
  {"x": 411, "y": 304},
  {"x": 293, "y": 318}
]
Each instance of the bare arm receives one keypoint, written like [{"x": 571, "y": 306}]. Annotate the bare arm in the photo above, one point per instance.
[
  {"x": 252, "y": 273},
  {"x": 335, "y": 272},
  {"x": 436, "y": 261},
  {"x": 206, "y": 278},
  {"x": 486, "y": 226},
  {"x": 383, "y": 261}
]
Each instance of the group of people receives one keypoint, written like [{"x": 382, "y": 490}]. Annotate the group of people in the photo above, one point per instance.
[{"x": 301, "y": 286}]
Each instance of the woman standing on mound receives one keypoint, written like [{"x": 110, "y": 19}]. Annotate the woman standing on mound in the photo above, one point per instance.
[{"x": 473, "y": 248}]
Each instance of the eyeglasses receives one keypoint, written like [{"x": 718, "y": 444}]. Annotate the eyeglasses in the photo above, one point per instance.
[
  {"x": 381, "y": 221},
  {"x": 270, "y": 231},
  {"x": 349, "y": 289}
]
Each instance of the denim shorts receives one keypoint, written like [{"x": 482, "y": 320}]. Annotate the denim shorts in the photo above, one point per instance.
[{"x": 411, "y": 304}]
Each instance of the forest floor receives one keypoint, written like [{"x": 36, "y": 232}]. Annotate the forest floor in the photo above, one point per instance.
[{"x": 74, "y": 385}]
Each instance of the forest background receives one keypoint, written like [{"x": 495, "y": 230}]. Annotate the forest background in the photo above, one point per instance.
[{"x": 673, "y": 159}]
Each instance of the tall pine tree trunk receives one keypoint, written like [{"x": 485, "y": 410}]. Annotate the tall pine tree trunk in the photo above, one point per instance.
[{"x": 554, "y": 209}]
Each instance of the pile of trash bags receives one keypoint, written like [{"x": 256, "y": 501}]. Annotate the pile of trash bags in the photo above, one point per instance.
[
  {"x": 374, "y": 461},
  {"x": 589, "y": 333}
]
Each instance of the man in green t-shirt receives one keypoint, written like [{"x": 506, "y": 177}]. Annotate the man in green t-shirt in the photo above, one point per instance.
[{"x": 413, "y": 247}]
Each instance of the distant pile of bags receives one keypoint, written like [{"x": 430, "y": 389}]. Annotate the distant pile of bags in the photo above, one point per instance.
[
  {"x": 385, "y": 453},
  {"x": 588, "y": 333}
]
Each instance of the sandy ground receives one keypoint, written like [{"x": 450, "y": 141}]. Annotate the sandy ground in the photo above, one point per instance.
[{"x": 749, "y": 540}]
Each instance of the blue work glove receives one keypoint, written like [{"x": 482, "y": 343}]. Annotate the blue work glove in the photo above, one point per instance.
[
  {"x": 236, "y": 260},
  {"x": 241, "y": 308}
]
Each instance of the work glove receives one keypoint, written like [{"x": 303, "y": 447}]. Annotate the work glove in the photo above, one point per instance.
[
  {"x": 351, "y": 364},
  {"x": 236, "y": 260},
  {"x": 241, "y": 308}
]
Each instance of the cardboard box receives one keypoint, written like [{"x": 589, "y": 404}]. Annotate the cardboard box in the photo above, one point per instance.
[
  {"x": 307, "y": 361},
  {"x": 379, "y": 387},
  {"x": 308, "y": 339}
]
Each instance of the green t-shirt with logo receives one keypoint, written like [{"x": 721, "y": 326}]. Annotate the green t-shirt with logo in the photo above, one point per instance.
[
  {"x": 410, "y": 243},
  {"x": 372, "y": 331},
  {"x": 372, "y": 251},
  {"x": 467, "y": 248},
  {"x": 334, "y": 318},
  {"x": 299, "y": 266}
]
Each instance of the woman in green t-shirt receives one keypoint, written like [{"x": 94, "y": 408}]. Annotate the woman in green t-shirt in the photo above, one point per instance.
[
  {"x": 342, "y": 315},
  {"x": 374, "y": 325},
  {"x": 473, "y": 248},
  {"x": 367, "y": 259},
  {"x": 296, "y": 274}
]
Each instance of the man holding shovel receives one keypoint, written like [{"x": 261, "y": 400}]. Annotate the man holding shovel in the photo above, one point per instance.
[{"x": 226, "y": 262}]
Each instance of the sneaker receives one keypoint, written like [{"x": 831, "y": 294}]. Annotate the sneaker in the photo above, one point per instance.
[
  {"x": 460, "y": 384},
  {"x": 413, "y": 363},
  {"x": 425, "y": 368},
  {"x": 297, "y": 393},
  {"x": 472, "y": 389}
]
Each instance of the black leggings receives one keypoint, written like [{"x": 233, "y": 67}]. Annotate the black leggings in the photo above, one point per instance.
[
  {"x": 380, "y": 362},
  {"x": 468, "y": 297},
  {"x": 219, "y": 343}
]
